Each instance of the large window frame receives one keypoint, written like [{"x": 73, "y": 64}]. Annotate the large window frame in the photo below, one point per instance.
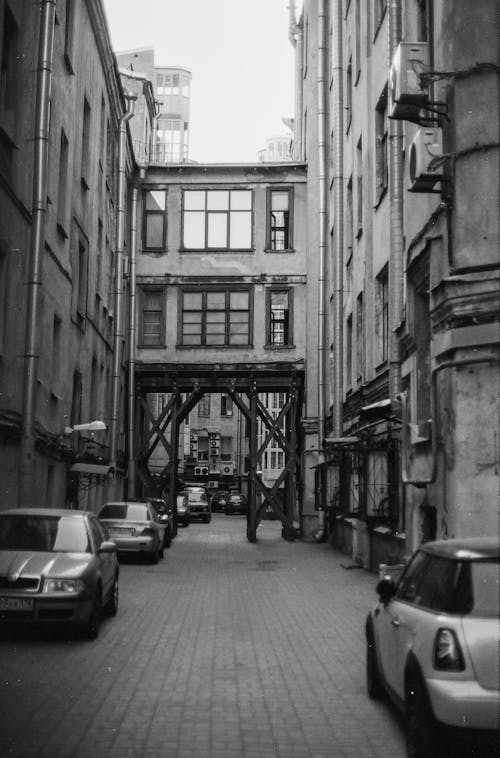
[
  {"x": 206, "y": 215},
  {"x": 154, "y": 212},
  {"x": 209, "y": 317},
  {"x": 146, "y": 313},
  {"x": 279, "y": 230},
  {"x": 276, "y": 325}
]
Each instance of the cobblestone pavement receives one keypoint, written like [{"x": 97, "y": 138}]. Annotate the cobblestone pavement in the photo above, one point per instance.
[{"x": 225, "y": 649}]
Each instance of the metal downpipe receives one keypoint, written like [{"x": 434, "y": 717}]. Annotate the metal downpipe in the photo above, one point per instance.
[
  {"x": 323, "y": 221},
  {"x": 396, "y": 250},
  {"x": 131, "y": 345},
  {"x": 35, "y": 277},
  {"x": 118, "y": 335},
  {"x": 338, "y": 183}
]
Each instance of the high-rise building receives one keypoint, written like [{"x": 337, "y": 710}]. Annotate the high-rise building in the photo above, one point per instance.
[{"x": 171, "y": 86}]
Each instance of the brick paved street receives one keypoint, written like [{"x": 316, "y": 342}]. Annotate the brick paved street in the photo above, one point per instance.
[{"x": 226, "y": 649}]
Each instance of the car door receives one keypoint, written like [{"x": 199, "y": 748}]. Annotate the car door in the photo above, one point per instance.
[
  {"x": 391, "y": 625},
  {"x": 107, "y": 561}
]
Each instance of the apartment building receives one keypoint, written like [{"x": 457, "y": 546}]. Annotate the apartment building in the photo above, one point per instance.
[
  {"x": 397, "y": 117},
  {"x": 61, "y": 390}
]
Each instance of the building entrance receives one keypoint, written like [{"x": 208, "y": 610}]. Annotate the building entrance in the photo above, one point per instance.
[{"x": 157, "y": 433}]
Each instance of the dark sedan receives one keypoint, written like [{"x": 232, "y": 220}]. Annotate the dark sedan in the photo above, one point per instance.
[
  {"x": 56, "y": 566},
  {"x": 235, "y": 504}
]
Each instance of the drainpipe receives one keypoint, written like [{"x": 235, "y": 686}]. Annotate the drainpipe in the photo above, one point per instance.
[
  {"x": 118, "y": 335},
  {"x": 423, "y": 481},
  {"x": 34, "y": 284},
  {"x": 323, "y": 222},
  {"x": 338, "y": 183},
  {"x": 156, "y": 118},
  {"x": 131, "y": 342},
  {"x": 396, "y": 219}
]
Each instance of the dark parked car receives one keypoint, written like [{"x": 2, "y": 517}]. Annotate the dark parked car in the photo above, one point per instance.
[
  {"x": 182, "y": 510},
  {"x": 166, "y": 517},
  {"x": 432, "y": 646},
  {"x": 198, "y": 504},
  {"x": 219, "y": 500},
  {"x": 235, "y": 504},
  {"x": 135, "y": 528},
  {"x": 56, "y": 566}
]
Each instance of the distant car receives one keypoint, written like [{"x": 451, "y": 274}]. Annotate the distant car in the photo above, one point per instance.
[
  {"x": 56, "y": 566},
  {"x": 198, "y": 504},
  {"x": 433, "y": 642},
  {"x": 235, "y": 504},
  {"x": 166, "y": 517},
  {"x": 135, "y": 528},
  {"x": 219, "y": 500},
  {"x": 182, "y": 510}
]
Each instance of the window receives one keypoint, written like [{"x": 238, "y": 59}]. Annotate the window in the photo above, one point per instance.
[
  {"x": 382, "y": 314},
  {"x": 279, "y": 318},
  {"x": 217, "y": 220},
  {"x": 3, "y": 300},
  {"x": 360, "y": 339},
  {"x": 62, "y": 190},
  {"x": 348, "y": 353},
  {"x": 349, "y": 217},
  {"x": 358, "y": 40},
  {"x": 348, "y": 94},
  {"x": 76, "y": 399},
  {"x": 154, "y": 231},
  {"x": 8, "y": 71},
  {"x": 279, "y": 230},
  {"x": 56, "y": 348},
  {"x": 85, "y": 144},
  {"x": 381, "y": 170},
  {"x": 226, "y": 405},
  {"x": 79, "y": 272},
  {"x": 359, "y": 167},
  {"x": 216, "y": 318},
  {"x": 152, "y": 318},
  {"x": 423, "y": 20},
  {"x": 204, "y": 412},
  {"x": 69, "y": 34}
]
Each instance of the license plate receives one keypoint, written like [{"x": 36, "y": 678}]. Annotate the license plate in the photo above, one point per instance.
[{"x": 16, "y": 604}]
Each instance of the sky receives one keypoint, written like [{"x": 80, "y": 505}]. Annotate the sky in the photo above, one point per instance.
[{"x": 241, "y": 61}]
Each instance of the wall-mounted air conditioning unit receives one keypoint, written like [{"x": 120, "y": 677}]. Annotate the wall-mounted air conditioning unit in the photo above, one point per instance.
[
  {"x": 227, "y": 469},
  {"x": 407, "y": 94},
  {"x": 201, "y": 470},
  {"x": 425, "y": 165}
]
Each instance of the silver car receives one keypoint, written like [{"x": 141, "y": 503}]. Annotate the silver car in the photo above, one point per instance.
[
  {"x": 433, "y": 646},
  {"x": 56, "y": 566},
  {"x": 135, "y": 528}
]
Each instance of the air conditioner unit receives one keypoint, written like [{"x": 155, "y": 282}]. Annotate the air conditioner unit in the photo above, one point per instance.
[
  {"x": 201, "y": 470},
  {"x": 407, "y": 94},
  {"x": 226, "y": 468},
  {"x": 425, "y": 167}
]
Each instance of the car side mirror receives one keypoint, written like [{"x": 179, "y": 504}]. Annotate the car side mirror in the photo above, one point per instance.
[
  {"x": 108, "y": 547},
  {"x": 386, "y": 589}
]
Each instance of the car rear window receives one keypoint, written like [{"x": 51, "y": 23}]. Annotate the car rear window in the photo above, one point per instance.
[
  {"x": 129, "y": 512},
  {"x": 479, "y": 589}
]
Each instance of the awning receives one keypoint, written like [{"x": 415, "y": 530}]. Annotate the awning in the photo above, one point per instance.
[
  {"x": 93, "y": 468},
  {"x": 383, "y": 409},
  {"x": 331, "y": 440}
]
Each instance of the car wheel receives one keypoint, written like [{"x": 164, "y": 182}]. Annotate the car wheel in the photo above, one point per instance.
[
  {"x": 112, "y": 607},
  {"x": 423, "y": 737},
  {"x": 91, "y": 628},
  {"x": 208, "y": 518},
  {"x": 155, "y": 556},
  {"x": 373, "y": 678}
]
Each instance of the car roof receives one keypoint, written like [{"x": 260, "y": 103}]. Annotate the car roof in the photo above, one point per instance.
[
  {"x": 128, "y": 502},
  {"x": 466, "y": 548},
  {"x": 44, "y": 512}
]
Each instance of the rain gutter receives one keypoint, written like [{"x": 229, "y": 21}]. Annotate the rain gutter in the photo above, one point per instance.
[{"x": 35, "y": 278}]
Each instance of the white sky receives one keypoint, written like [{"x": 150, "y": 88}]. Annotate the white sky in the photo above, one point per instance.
[{"x": 241, "y": 61}]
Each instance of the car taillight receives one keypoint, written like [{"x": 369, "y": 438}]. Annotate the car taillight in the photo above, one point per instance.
[
  {"x": 447, "y": 653},
  {"x": 148, "y": 531}
]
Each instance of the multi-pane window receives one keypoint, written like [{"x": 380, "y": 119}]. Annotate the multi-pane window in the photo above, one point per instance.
[
  {"x": 359, "y": 167},
  {"x": 217, "y": 317},
  {"x": 9, "y": 65},
  {"x": 382, "y": 314},
  {"x": 348, "y": 95},
  {"x": 86, "y": 144},
  {"x": 217, "y": 220},
  {"x": 379, "y": 7},
  {"x": 360, "y": 338},
  {"x": 152, "y": 318},
  {"x": 381, "y": 170},
  {"x": 278, "y": 317},
  {"x": 226, "y": 405},
  {"x": 279, "y": 219},
  {"x": 348, "y": 352},
  {"x": 154, "y": 234},
  {"x": 204, "y": 412},
  {"x": 62, "y": 190}
]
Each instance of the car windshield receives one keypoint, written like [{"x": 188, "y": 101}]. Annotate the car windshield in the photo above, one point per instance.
[
  {"x": 125, "y": 512},
  {"x": 51, "y": 534}
]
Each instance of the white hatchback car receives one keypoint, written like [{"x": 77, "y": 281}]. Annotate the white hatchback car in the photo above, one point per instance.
[{"x": 433, "y": 646}]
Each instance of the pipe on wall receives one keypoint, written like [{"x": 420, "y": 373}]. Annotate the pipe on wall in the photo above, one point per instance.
[
  {"x": 396, "y": 244},
  {"x": 338, "y": 184},
  {"x": 35, "y": 277},
  {"x": 118, "y": 335},
  {"x": 322, "y": 236}
]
